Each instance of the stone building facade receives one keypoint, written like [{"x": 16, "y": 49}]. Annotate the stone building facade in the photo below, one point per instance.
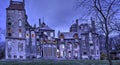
[
  {"x": 81, "y": 42},
  {"x": 24, "y": 41}
]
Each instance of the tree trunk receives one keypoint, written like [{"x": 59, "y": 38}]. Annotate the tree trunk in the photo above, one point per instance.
[{"x": 107, "y": 49}]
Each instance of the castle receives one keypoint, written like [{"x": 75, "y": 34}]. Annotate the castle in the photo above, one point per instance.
[{"x": 24, "y": 41}]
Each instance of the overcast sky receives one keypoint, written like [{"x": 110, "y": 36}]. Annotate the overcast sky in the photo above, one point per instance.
[{"x": 57, "y": 14}]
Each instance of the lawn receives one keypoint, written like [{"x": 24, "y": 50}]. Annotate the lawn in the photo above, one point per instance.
[{"x": 60, "y": 62}]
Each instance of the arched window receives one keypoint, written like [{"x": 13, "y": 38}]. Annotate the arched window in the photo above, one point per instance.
[
  {"x": 9, "y": 21},
  {"x": 75, "y": 36},
  {"x": 20, "y": 22},
  {"x": 33, "y": 35},
  {"x": 62, "y": 46},
  {"x": 20, "y": 34},
  {"x": 69, "y": 45},
  {"x": 76, "y": 45}
]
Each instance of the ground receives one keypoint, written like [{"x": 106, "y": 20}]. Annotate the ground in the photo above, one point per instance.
[{"x": 58, "y": 62}]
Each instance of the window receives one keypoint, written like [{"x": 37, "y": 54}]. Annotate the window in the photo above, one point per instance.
[
  {"x": 9, "y": 56},
  {"x": 69, "y": 53},
  {"x": 20, "y": 46},
  {"x": 20, "y": 23},
  {"x": 76, "y": 36},
  {"x": 91, "y": 44},
  {"x": 97, "y": 42},
  {"x": 19, "y": 30},
  {"x": 97, "y": 51},
  {"x": 85, "y": 53},
  {"x": 92, "y": 51},
  {"x": 83, "y": 37},
  {"x": 45, "y": 33},
  {"x": 9, "y": 23},
  {"x": 21, "y": 57},
  {"x": 9, "y": 30},
  {"x": 37, "y": 36},
  {"x": 9, "y": 49},
  {"x": 15, "y": 56},
  {"x": 19, "y": 12},
  {"x": 75, "y": 45},
  {"x": 62, "y": 46},
  {"x": 27, "y": 34},
  {"x": 76, "y": 53},
  {"x": 51, "y": 34},
  {"x": 61, "y": 36},
  {"x": 37, "y": 39},
  {"x": 69, "y": 44},
  {"x": 84, "y": 43},
  {"x": 33, "y": 35},
  {"x": 20, "y": 34},
  {"x": 38, "y": 49},
  {"x": 90, "y": 35},
  {"x": 9, "y": 34}
]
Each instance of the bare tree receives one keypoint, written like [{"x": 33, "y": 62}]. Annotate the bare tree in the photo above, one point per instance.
[{"x": 106, "y": 14}]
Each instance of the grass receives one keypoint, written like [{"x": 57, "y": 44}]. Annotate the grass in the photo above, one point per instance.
[{"x": 62, "y": 62}]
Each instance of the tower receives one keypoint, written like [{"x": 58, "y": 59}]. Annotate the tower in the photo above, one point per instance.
[{"x": 15, "y": 31}]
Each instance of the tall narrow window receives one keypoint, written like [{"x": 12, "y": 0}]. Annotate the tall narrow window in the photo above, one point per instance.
[
  {"x": 20, "y": 46},
  {"x": 76, "y": 45},
  {"x": 97, "y": 52},
  {"x": 19, "y": 30},
  {"x": 9, "y": 21},
  {"x": 9, "y": 30},
  {"x": 20, "y": 33},
  {"x": 84, "y": 43},
  {"x": 33, "y": 35},
  {"x": 20, "y": 23},
  {"x": 9, "y": 46},
  {"x": 51, "y": 34}
]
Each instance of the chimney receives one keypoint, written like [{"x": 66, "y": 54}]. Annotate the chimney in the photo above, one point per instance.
[
  {"x": 58, "y": 33},
  {"x": 77, "y": 25},
  {"x": 39, "y": 22},
  {"x": 77, "y": 21},
  {"x": 92, "y": 25},
  {"x": 34, "y": 25}
]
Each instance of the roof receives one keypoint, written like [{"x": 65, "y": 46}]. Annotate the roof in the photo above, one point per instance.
[
  {"x": 45, "y": 28},
  {"x": 16, "y": 5},
  {"x": 68, "y": 35}
]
